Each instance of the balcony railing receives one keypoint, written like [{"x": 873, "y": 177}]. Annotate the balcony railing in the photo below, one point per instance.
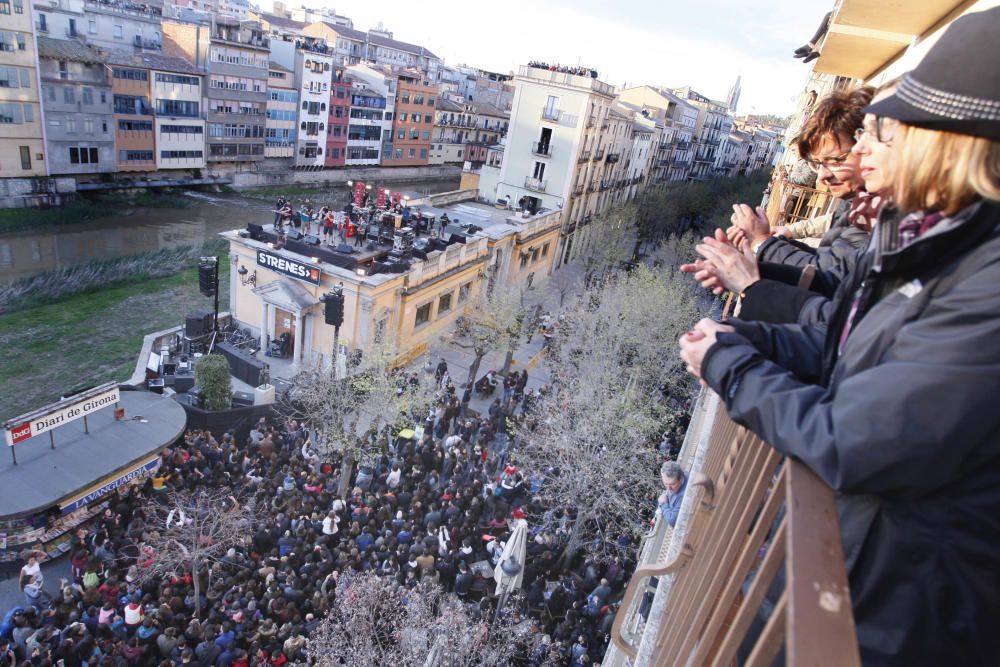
[
  {"x": 536, "y": 184},
  {"x": 584, "y": 156},
  {"x": 613, "y": 157},
  {"x": 791, "y": 203},
  {"x": 551, "y": 114},
  {"x": 743, "y": 499},
  {"x": 578, "y": 190},
  {"x": 598, "y": 154},
  {"x": 541, "y": 149}
]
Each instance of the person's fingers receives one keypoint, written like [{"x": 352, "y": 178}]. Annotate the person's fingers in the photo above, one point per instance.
[
  {"x": 718, "y": 290},
  {"x": 721, "y": 236},
  {"x": 689, "y": 268},
  {"x": 746, "y": 249}
]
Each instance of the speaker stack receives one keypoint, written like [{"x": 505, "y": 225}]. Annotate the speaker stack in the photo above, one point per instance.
[{"x": 198, "y": 323}]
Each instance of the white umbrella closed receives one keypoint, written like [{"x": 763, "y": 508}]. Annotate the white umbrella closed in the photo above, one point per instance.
[{"x": 509, "y": 571}]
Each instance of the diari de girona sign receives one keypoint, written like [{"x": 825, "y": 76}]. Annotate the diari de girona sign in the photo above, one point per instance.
[{"x": 61, "y": 413}]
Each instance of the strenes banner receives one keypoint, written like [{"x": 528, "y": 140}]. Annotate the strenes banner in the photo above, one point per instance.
[{"x": 289, "y": 267}]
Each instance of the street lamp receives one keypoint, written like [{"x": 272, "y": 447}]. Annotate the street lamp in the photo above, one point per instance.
[{"x": 245, "y": 279}]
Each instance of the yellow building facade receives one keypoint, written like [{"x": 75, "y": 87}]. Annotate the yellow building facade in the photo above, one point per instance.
[
  {"x": 22, "y": 149},
  {"x": 275, "y": 290}
]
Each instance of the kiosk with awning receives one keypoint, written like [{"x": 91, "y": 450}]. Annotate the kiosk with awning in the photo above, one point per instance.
[{"x": 61, "y": 481}]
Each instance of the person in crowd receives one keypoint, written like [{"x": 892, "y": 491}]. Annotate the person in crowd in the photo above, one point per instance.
[
  {"x": 675, "y": 483},
  {"x": 891, "y": 402}
]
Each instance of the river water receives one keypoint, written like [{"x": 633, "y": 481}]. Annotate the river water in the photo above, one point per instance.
[{"x": 125, "y": 231}]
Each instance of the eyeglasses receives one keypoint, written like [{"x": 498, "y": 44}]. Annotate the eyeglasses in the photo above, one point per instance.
[
  {"x": 830, "y": 163},
  {"x": 885, "y": 130}
]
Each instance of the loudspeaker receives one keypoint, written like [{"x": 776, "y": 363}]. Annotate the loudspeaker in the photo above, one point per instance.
[
  {"x": 207, "y": 278},
  {"x": 256, "y": 232},
  {"x": 183, "y": 382},
  {"x": 198, "y": 323},
  {"x": 293, "y": 234},
  {"x": 310, "y": 239},
  {"x": 155, "y": 385},
  {"x": 344, "y": 248},
  {"x": 242, "y": 399}
]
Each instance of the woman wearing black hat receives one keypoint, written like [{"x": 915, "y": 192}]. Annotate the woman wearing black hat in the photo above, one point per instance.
[{"x": 894, "y": 405}]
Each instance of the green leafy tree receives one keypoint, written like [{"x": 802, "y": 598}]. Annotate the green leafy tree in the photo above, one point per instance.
[{"x": 212, "y": 375}]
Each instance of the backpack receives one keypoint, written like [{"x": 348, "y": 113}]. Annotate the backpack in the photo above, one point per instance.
[{"x": 91, "y": 580}]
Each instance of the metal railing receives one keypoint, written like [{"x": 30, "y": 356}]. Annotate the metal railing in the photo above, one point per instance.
[
  {"x": 613, "y": 157},
  {"x": 551, "y": 114},
  {"x": 541, "y": 149},
  {"x": 536, "y": 184},
  {"x": 748, "y": 512},
  {"x": 584, "y": 156},
  {"x": 599, "y": 154}
]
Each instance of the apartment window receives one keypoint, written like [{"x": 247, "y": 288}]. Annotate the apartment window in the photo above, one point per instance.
[
  {"x": 83, "y": 155},
  {"x": 402, "y": 134},
  {"x": 68, "y": 96},
  {"x": 135, "y": 125},
  {"x": 464, "y": 291},
  {"x": 335, "y": 154},
  {"x": 412, "y": 153},
  {"x": 414, "y": 134},
  {"x": 88, "y": 95},
  {"x": 169, "y": 155},
  {"x": 444, "y": 304},
  {"x": 119, "y": 33},
  {"x": 405, "y": 99},
  {"x": 430, "y": 101},
  {"x": 88, "y": 125},
  {"x": 71, "y": 125},
  {"x": 181, "y": 79},
  {"x": 427, "y": 135},
  {"x": 416, "y": 118},
  {"x": 340, "y": 93},
  {"x": 25, "y": 157},
  {"x": 423, "y": 315},
  {"x": 545, "y": 250},
  {"x": 130, "y": 74},
  {"x": 402, "y": 116},
  {"x": 10, "y": 114},
  {"x": 418, "y": 99},
  {"x": 423, "y": 153},
  {"x": 92, "y": 27},
  {"x": 18, "y": 6},
  {"x": 399, "y": 153},
  {"x": 4, "y": 6},
  {"x": 135, "y": 156},
  {"x": 29, "y": 114}
]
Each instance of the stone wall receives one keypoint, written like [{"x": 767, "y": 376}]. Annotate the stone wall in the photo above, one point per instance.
[{"x": 33, "y": 192}]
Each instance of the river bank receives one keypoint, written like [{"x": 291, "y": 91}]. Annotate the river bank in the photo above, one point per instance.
[
  {"x": 47, "y": 350},
  {"x": 115, "y": 225}
]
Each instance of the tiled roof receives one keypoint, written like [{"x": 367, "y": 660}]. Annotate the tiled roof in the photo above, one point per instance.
[
  {"x": 278, "y": 67},
  {"x": 282, "y": 22},
  {"x": 66, "y": 49},
  {"x": 149, "y": 60},
  {"x": 366, "y": 37},
  {"x": 488, "y": 109}
]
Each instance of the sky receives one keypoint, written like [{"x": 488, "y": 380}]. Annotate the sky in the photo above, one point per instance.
[{"x": 702, "y": 43}]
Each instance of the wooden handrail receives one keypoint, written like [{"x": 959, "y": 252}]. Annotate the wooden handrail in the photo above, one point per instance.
[{"x": 759, "y": 523}]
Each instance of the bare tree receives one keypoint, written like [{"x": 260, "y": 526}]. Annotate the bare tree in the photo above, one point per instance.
[
  {"x": 348, "y": 416},
  {"x": 193, "y": 530},
  {"x": 591, "y": 442},
  {"x": 609, "y": 241},
  {"x": 374, "y": 621},
  {"x": 492, "y": 320}
]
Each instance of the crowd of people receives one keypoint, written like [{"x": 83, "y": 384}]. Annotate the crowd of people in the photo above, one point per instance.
[
  {"x": 873, "y": 357},
  {"x": 438, "y": 506},
  {"x": 564, "y": 69}
]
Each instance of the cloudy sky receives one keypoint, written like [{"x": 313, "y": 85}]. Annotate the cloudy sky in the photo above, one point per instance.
[{"x": 702, "y": 43}]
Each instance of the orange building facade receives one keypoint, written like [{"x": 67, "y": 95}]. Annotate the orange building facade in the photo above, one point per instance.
[{"x": 413, "y": 122}]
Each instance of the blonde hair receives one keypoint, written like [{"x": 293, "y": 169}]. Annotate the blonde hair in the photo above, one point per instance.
[{"x": 944, "y": 170}]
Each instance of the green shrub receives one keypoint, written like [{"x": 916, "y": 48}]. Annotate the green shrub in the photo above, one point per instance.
[{"x": 212, "y": 375}]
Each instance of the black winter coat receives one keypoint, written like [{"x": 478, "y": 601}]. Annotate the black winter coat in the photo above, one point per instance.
[{"x": 903, "y": 424}]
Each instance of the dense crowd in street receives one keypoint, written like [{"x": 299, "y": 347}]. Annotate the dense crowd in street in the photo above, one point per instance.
[{"x": 435, "y": 507}]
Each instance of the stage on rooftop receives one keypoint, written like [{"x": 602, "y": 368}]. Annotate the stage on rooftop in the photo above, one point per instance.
[{"x": 45, "y": 477}]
